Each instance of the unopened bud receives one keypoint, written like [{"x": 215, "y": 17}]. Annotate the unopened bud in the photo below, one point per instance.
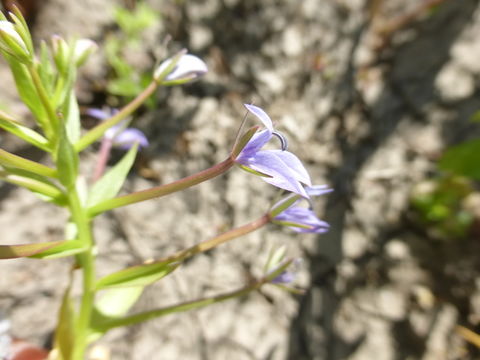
[
  {"x": 188, "y": 68},
  {"x": 12, "y": 42},
  {"x": 83, "y": 49}
]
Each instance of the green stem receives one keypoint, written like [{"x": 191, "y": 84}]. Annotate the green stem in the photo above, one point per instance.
[
  {"x": 217, "y": 240},
  {"x": 191, "y": 305},
  {"x": 98, "y": 131},
  {"x": 87, "y": 262},
  {"x": 162, "y": 190},
  {"x": 10, "y": 159}
]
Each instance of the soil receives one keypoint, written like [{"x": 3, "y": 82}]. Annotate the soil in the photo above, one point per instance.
[{"x": 369, "y": 94}]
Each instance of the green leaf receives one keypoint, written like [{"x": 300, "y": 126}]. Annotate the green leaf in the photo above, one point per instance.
[
  {"x": 7, "y": 123},
  {"x": 113, "y": 304},
  {"x": 110, "y": 184},
  {"x": 65, "y": 332},
  {"x": 37, "y": 184},
  {"x": 67, "y": 248},
  {"x": 27, "y": 92},
  {"x": 463, "y": 159},
  {"x": 124, "y": 86},
  {"x": 72, "y": 118},
  {"x": 25, "y": 250},
  {"x": 141, "y": 275}
]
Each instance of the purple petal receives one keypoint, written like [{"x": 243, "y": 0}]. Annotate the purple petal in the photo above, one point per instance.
[
  {"x": 267, "y": 162},
  {"x": 254, "y": 145},
  {"x": 285, "y": 277},
  {"x": 318, "y": 190},
  {"x": 97, "y": 113},
  {"x": 128, "y": 137},
  {"x": 295, "y": 165},
  {"x": 303, "y": 217},
  {"x": 261, "y": 115}
]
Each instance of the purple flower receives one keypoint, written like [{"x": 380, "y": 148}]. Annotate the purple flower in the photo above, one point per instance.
[
  {"x": 120, "y": 136},
  {"x": 297, "y": 217},
  {"x": 286, "y": 277},
  {"x": 280, "y": 168}
]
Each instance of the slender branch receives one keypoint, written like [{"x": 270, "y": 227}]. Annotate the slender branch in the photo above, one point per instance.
[
  {"x": 162, "y": 190},
  {"x": 217, "y": 240},
  {"x": 191, "y": 305},
  {"x": 102, "y": 159},
  {"x": 98, "y": 131}
]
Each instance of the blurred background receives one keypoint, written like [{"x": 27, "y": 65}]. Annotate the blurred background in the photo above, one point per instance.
[{"x": 379, "y": 98}]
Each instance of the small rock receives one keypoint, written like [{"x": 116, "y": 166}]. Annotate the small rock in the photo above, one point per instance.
[
  {"x": 292, "y": 41},
  {"x": 454, "y": 83}
]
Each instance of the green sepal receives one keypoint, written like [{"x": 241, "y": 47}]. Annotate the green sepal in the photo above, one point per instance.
[
  {"x": 243, "y": 141},
  {"x": 111, "y": 182},
  {"x": 67, "y": 160},
  {"x": 67, "y": 248},
  {"x": 26, "y": 250},
  {"x": 274, "y": 258},
  {"x": 463, "y": 159},
  {"x": 65, "y": 331},
  {"x": 22, "y": 28},
  {"x": 140, "y": 275},
  {"x": 283, "y": 205},
  {"x": 251, "y": 171}
]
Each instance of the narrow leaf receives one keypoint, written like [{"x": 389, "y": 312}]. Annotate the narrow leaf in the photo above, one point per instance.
[
  {"x": 37, "y": 184},
  {"x": 7, "y": 123},
  {"x": 67, "y": 248},
  {"x": 25, "y": 250},
  {"x": 72, "y": 118},
  {"x": 27, "y": 92},
  {"x": 113, "y": 304},
  {"x": 141, "y": 275},
  {"x": 64, "y": 333},
  {"x": 110, "y": 184}
]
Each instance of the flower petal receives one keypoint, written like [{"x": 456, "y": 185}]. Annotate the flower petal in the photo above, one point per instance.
[
  {"x": 254, "y": 145},
  {"x": 317, "y": 190},
  {"x": 261, "y": 115},
  {"x": 305, "y": 218},
  {"x": 295, "y": 165},
  {"x": 267, "y": 162},
  {"x": 126, "y": 138}
]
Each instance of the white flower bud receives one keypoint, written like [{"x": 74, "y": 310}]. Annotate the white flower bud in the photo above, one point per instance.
[
  {"x": 12, "y": 42},
  {"x": 83, "y": 49},
  {"x": 188, "y": 68}
]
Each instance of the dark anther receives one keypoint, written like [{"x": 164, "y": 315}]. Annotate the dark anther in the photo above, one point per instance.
[{"x": 282, "y": 138}]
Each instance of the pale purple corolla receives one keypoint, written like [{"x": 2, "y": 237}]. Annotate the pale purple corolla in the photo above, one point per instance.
[
  {"x": 188, "y": 68},
  {"x": 291, "y": 212},
  {"x": 286, "y": 277},
  {"x": 119, "y": 135},
  {"x": 280, "y": 168}
]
